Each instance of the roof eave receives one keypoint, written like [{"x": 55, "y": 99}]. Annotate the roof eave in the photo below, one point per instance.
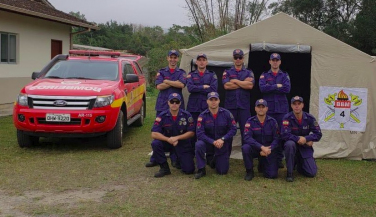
[{"x": 48, "y": 17}]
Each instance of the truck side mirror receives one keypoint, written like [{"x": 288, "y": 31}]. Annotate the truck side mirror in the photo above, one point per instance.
[
  {"x": 35, "y": 75},
  {"x": 131, "y": 78}
]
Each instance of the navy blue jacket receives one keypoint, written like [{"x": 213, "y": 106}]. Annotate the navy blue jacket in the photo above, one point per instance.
[
  {"x": 309, "y": 128},
  {"x": 238, "y": 98},
  {"x": 274, "y": 96},
  {"x": 177, "y": 75},
  {"x": 165, "y": 125},
  {"x": 209, "y": 129},
  {"x": 257, "y": 134},
  {"x": 198, "y": 95}
]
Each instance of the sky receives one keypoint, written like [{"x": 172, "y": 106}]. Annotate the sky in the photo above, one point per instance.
[{"x": 162, "y": 13}]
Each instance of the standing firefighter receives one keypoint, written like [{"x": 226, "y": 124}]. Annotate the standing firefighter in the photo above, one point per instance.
[
  {"x": 300, "y": 130},
  {"x": 275, "y": 85},
  {"x": 238, "y": 82},
  {"x": 215, "y": 128},
  {"x": 200, "y": 82}
]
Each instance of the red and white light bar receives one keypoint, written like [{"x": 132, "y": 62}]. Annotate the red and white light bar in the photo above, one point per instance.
[{"x": 93, "y": 53}]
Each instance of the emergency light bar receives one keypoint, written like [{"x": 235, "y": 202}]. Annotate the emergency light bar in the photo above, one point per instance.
[{"x": 94, "y": 53}]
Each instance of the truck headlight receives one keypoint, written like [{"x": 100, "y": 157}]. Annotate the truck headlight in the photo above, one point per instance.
[
  {"x": 103, "y": 101},
  {"x": 22, "y": 99}
]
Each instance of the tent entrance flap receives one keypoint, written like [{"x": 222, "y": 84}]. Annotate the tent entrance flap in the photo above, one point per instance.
[
  {"x": 295, "y": 61},
  {"x": 281, "y": 48}
]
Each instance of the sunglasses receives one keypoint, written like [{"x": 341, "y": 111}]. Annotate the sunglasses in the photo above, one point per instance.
[
  {"x": 238, "y": 58},
  {"x": 174, "y": 101},
  {"x": 213, "y": 99},
  {"x": 275, "y": 60}
]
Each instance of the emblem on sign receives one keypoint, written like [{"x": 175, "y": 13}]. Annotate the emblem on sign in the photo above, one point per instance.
[{"x": 342, "y": 109}]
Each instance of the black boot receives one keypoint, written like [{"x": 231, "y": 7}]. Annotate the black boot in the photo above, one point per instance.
[
  {"x": 200, "y": 173},
  {"x": 250, "y": 174},
  {"x": 176, "y": 164},
  {"x": 280, "y": 165},
  {"x": 289, "y": 177},
  {"x": 165, "y": 170},
  {"x": 210, "y": 161},
  {"x": 151, "y": 164}
]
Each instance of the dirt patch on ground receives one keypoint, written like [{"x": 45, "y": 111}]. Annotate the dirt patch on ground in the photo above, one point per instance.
[{"x": 9, "y": 204}]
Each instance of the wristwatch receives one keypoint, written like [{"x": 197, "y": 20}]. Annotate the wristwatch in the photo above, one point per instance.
[{"x": 223, "y": 138}]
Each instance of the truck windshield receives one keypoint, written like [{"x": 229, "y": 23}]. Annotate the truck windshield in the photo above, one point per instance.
[{"x": 75, "y": 69}]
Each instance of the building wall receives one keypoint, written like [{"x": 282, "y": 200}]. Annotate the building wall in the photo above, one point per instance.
[{"x": 33, "y": 50}]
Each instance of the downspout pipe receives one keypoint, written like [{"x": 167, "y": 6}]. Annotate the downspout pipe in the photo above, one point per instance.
[{"x": 75, "y": 33}]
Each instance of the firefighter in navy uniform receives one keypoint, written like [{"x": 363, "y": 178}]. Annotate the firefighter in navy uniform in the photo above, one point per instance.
[
  {"x": 215, "y": 128},
  {"x": 299, "y": 130},
  {"x": 261, "y": 140},
  {"x": 169, "y": 80},
  {"x": 238, "y": 82},
  {"x": 275, "y": 85},
  {"x": 200, "y": 82},
  {"x": 173, "y": 130}
]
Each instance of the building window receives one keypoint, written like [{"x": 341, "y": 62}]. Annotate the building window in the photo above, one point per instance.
[{"x": 7, "y": 47}]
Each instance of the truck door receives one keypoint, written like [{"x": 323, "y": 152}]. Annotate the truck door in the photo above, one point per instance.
[
  {"x": 129, "y": 89},
  {"x": 141, "y": 87}
]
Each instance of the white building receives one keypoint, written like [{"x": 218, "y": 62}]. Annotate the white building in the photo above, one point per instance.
[{"x": 31, "y": 33}]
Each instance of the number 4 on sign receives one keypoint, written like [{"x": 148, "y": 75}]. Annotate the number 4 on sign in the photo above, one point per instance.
[{"x": 342, "y": 114}]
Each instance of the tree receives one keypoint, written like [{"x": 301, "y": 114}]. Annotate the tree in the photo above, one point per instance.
[
  {"x": 216, "y": 18},
  {"x": 364, "y": 33},
  {"x": 307, "y": 11},
  {"x": 334, "y": 17},
  {"x": 256, "y": 10}
]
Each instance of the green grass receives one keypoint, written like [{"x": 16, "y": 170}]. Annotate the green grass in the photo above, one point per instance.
[{"x": 81, "y": 177}]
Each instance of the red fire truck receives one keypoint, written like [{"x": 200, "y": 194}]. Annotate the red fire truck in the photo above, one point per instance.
[{"x": 83, "y": 94}]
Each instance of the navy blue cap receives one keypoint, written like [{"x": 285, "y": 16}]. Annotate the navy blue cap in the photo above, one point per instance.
[
  {"x": 173, "y": 52},
  {"x": 174, "y": 96},
  {"x": 213, "y": 95},
  {"x": 261, "y": 102},
  {"x": 201, "y": 55},
  {"x": 296, "y": 98},
  {"x": 275, "y": 56},
  {"x": 238, "y": 52}
]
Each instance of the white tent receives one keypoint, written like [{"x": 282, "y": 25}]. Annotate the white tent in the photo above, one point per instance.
[{"x": 334, "y": 64}]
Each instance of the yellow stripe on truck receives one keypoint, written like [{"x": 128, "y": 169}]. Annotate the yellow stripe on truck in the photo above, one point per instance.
[{"x": 117, "y": 103}]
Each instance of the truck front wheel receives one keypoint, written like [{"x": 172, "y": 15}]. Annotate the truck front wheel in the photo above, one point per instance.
[
  {"x": 25, "y": 140},
  {"x": 115, "y": 136}
]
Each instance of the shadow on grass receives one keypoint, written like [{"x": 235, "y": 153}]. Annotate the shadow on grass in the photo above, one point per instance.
[{"x": 98, "y": 143}]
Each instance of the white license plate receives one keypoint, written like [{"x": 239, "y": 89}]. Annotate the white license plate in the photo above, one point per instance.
[{"x": 58, "y": 117}]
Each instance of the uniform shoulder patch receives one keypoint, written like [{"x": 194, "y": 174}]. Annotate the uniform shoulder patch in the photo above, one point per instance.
[
  {"x": 215, "y": 76},
  {"x": 199, "y": 119},
  {"x": 190, "y": 120},
  {"x": 247, "y": 125},
  {"x": 315, "y": 124},
  {"x": 262, "y": 76},
  {"x": 188, "y": 76},
  {"x": 158, "y": 119},
  {"x": 285, "y": 123}
]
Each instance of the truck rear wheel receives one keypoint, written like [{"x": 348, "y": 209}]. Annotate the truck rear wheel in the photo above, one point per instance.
[
  {"x": 140, "y": 121},
  {"x": 25, "y": 141},
  {"x": 115, "y": 136}
]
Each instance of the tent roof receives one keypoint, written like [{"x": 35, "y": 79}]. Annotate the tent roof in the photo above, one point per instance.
[{"x": 334, "y": 64}]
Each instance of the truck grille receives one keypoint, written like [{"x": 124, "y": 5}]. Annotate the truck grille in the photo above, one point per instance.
[
  {"x": 74, "y": 121},
  {"x": 61, "y": 102}
]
